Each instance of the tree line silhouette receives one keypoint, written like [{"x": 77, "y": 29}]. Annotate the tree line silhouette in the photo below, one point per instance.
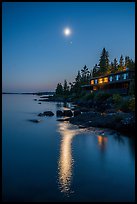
[{"x": 104, "y": 67}]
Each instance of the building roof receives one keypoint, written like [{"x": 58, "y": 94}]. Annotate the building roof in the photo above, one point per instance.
[
  {"x": 106, "y": 75},
  {"x": 86, "y": 85}
]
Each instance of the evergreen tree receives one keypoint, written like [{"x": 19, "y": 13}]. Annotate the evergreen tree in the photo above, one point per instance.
[
  {"x": 88, "y": 76},
  {"x": 71, "y": 87},
  {"x": 77, "y": 83},
  {"x": 78, "y": 77},
  {"x": 131, "y": 65},
  {"x": 65, "y": 88},
  {"x": 115, "y": 65},
  {"x": 121, "y": 61},
  {"x": 112, "y": 67},
  {"x": 85, "y": 73},
  {"x": 59, "y": 89},
  {"x": 94, "y": 72},
  {"x": 91, "y": 73},
  {"x": 127, "y": 61},
  {"x": 121, "y": 64},
  {"x": 104, "y": 62}
]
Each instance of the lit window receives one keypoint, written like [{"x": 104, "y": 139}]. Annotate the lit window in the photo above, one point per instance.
[
  {"x": 125, "y": 75},
  {"x": 96, "y": 81},
  {"x": 100, "y": 81},
  {"x": 92, "y": 81},
  {"x": 110, "y": 78},
  {"x": 106, "y": 79},
  {"x": 117, "y": 77},
  {"x": 124, "y": 68}
]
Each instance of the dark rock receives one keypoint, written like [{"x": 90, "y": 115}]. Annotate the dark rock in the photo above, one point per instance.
[
  {"x": 84, "y": 109},
  {"x": 100, "y": 106},
  {"x": 127, "y": 124},
  {"x": 112, "y": 110},
  {"x": 74, "y": 106},
  {"x": 43, "y": 99},
  {"x": 39, "y": 103},
  {"x": 34, "y": 120},
  {"x": 85, "y": 117},
  {"x": 35, "y": 99},
  {"x": 73, "y": 109},
  {"x": 77, "y": 112},
  {"x": 63, "y": 119},
  {"x": 68, "y": 113},
  {"x": 46, "y": 113},
  {"x": 123, "y": 122},
  {"x": 40, "y": 114},
  {"x": 59, "y": 113}
]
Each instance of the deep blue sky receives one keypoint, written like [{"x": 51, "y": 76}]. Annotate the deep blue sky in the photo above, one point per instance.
[{"x": 35, "y": 53}]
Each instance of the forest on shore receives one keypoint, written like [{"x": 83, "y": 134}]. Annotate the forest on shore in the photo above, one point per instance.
[{"x": 103, "y": 67}]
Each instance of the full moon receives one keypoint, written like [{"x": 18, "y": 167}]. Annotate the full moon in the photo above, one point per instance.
[{"x": 67, "y": 31}]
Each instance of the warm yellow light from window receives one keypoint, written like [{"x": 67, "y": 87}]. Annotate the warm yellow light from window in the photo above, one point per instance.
[
  {"x": 106, "y": 79},
  {"x": 124, "y": 68},
  {"x": 94, "y": 88},
  {"x": 100, "y": 81},
  {"x": 92, "y": 81}
]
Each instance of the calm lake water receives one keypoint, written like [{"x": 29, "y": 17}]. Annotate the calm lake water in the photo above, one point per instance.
[{"x": 56, "y": 161}]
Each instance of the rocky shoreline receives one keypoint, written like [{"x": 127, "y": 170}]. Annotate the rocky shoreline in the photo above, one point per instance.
[
  {"x": 119, "y": 121},
  {"x": 122, "y": 122},
  {"x": 84, "y": 117}
]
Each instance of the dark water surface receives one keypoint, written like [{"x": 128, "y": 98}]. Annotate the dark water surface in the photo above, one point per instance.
[{"x": 56, "y": 161}]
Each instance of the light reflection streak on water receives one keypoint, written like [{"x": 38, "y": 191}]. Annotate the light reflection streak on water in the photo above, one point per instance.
[
  {"x": 66, "y": 161},
  {"x": 102, "y": 140}
]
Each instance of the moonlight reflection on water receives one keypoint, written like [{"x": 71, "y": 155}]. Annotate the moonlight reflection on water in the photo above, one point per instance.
[
  {"x": 47, "y": 163},
  {"x": 66, "y": 161}
]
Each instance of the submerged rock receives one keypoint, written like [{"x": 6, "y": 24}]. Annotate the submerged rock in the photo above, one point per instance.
[
  {"x": 40, "y": 114},
  {"x": 46, "y": 113},
  {"x": 44, "y": 99},
  {"x": 34, "y": 120}
]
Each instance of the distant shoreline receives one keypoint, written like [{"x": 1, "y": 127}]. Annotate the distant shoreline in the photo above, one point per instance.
[
  {"x": 33, "y": 93},
  {"x": 17, "y": 93}
]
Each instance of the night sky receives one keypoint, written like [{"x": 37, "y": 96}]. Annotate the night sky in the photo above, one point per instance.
[{"x": 36, "y": 54}]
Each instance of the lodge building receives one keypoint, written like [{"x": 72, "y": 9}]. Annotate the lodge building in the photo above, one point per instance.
[{"x": 113, "y": 83}]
